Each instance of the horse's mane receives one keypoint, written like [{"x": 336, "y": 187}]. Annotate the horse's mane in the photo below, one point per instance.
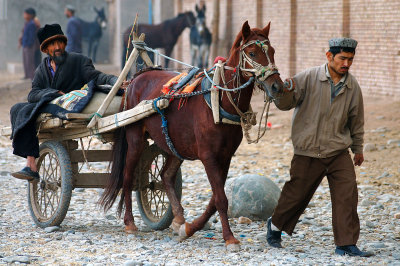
[{"x": 146, "y": 70}]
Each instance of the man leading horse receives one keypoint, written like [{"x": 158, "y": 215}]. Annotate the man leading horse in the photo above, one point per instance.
[{"x": 328, "y": 120}]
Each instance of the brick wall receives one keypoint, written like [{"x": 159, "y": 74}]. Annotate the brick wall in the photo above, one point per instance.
[{"x": 300, "y": 30}]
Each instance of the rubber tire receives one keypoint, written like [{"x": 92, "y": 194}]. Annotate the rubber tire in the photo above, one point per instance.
[
  {"x": 148, "y": 155},
  {"x": 66, "y": 186}
]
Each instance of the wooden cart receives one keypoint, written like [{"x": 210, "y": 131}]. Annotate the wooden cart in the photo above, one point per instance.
[{"x": 60, "y": 155}]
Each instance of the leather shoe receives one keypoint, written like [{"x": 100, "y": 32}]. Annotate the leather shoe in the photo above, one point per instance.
[
  {"x": 273, "y": 237},
  {"x": 27, "y": 174},
  {"x": 352, "y": 250}
]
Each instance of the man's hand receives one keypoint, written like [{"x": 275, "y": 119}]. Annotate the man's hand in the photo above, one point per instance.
[
  {"x": 290, "y": 85},
  {"x": 125, "y": 84},
  {"x": 358, "y": 159}
]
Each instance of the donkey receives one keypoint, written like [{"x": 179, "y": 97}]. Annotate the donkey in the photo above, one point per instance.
[
  {"x": 200, "y": 40},
  {"x": 92, "y": 32},
  {"x": 193, "y": 132}
]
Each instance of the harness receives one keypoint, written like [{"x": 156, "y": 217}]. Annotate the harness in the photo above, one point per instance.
[{"x": 209, "y": 89}]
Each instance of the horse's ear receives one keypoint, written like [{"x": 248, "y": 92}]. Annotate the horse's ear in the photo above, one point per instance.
[
  {"x": 95, "y": 9},
  {"x": 245, "y": 30},
  {"x": 197, "y": 8},
  {"x": 266, "y": 29}
]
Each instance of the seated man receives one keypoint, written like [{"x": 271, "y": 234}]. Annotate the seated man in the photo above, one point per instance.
[{"x": 59, "y": 73}]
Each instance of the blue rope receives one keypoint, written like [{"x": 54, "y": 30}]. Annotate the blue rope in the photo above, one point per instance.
[{"x": 164, "y": 126}]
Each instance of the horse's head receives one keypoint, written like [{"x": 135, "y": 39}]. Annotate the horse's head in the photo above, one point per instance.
[
  {"x": 201, "y": 19},
  {"x": 190, "y": 19},
  {"x": 255, "y": 57},
  {"x": 101, "y": 17}
]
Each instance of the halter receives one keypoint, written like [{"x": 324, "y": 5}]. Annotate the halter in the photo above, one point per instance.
[{"x": 261, "y": 72}]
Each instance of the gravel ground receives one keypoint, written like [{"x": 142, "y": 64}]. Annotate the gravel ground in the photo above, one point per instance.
[{"x": 88, "y": 236}]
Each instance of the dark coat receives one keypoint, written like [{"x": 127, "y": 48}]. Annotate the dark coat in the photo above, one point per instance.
[
  {"x": 74, "y": 35},
  {"x": 76, "y": 71}
]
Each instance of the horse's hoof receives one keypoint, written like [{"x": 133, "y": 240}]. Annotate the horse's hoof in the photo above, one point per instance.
[
  {"x": 131, "y": 229},
  {"x": 233, "y": 247},
  {"x": 175, "y": 227},
  {"x": 182, "y": 232}
]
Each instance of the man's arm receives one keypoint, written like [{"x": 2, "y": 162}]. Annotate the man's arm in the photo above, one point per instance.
[
  {"x": 286, "y": 100},
  {"x": 39, "y": 88},
  {"x": 90, "y": 73},
  {"x": 356, "y": 125}
]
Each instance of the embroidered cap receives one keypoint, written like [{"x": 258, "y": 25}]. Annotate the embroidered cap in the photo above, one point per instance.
[{"x": 343, "y": 42}]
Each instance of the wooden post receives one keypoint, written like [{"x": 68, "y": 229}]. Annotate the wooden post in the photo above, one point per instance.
[
  {"x": 215, "y": 30},
  {"x": 215, "y": 92}
]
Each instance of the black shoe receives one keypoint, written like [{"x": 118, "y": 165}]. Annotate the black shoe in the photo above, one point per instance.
[
  {"x": 352, "y": 250},
  {"x": 27, "y": 174},
  {"x": 273, "y": 237}
]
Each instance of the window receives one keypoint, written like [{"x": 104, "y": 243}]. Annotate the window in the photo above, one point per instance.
[{"x": 3, "y": 9}]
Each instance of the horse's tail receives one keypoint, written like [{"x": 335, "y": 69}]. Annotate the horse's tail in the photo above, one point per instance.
[{"x": 115, "y": 181}]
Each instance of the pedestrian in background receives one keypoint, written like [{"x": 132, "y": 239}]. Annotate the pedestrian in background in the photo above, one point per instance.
[
  {"x": 74, "y": 31},
  {"x": 27, "y": 42}
]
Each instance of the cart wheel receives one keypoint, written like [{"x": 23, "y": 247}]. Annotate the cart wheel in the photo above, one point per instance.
[
  {"x": 49, "y": 198},
  {"x": 153, "y": 203}
]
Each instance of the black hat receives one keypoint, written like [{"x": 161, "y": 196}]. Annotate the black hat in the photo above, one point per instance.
[
  {"x": 30, "y": 11},
  {"x": 50, "y": 33}
]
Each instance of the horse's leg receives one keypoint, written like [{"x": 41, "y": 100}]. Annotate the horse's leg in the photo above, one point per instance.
[
  {"x": 168, "y": 51},
  {"x": 95, "y": 45},
  {"x": 198, "y": 224},
  {"x": 136, "y": 144},
  {"x": 168, "y": 176},
  {"x": 206, "y": 54},
  {"x": 193, "y": 54},
  {"x": 90, "y": 41},
  {"x": 217, "y": 170}
]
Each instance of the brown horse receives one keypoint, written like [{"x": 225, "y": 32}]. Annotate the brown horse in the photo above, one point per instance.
[
  {"x": 163, "y": 35},
  {"x": 193, "y": 132}
]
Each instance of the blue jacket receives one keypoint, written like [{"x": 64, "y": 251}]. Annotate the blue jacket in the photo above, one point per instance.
[
  {"x": 74, "y": 35},
  {"x": 29, "y": 34}
]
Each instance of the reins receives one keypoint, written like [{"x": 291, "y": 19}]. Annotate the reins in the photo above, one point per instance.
[{"x": 259, "y": 74}]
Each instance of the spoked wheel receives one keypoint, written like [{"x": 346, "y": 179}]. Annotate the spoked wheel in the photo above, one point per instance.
[
  {"x": 49, "y": 198},
  {"x": 153, "y": 203}
]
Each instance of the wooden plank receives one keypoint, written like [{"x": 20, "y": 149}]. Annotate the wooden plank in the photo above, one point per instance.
[
  {"x": 50, "y": 123},
  {"x": 91, "y": 155},
  {"x": 142, "y": 110},
  {"x": 91, "y": 180},
  {"x": 80, "y": 124},
  {"x": 78, "y": 116}
]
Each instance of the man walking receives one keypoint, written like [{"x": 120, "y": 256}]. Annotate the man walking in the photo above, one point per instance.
[
  {"x": 74, "y": 31},
  {"x": 328, "y": 120}
]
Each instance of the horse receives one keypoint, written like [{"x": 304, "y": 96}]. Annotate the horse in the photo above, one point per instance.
[
  {"x": 92, "y": 31},
  {"x": 200, "y": 40},
  {"x": 193, "y": 132},
  {"x": 163, "y": 35}
]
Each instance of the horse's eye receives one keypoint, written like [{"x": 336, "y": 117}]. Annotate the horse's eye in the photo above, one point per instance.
[{"x": 252, "y": 54}]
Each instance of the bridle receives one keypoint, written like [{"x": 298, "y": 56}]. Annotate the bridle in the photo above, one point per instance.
[{"x": 261, "y": 72}]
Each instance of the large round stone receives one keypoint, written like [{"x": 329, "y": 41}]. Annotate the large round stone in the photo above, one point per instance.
[{"x": 251, "y": 196}]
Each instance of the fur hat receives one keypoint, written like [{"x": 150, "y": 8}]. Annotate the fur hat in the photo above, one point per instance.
[{"x": 50, "y": 33}]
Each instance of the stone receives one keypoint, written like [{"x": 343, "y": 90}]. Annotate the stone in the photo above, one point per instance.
[
  {"x": 396, "y": 255},
  {"x": 366, "y": 203},
  {"x": 393, "y": 141},
  {"x": 251, "y": 196},
  {"x": 244, "y": 220},
  {"x": 20, "y": 259},
  {"x": 51, "y": 229},
  {"x": 370, "y": 224},
  {"x": 133, "y": 263},
  {"x": 368, "y": 147},
  {"x": 397, "y": 215}
]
